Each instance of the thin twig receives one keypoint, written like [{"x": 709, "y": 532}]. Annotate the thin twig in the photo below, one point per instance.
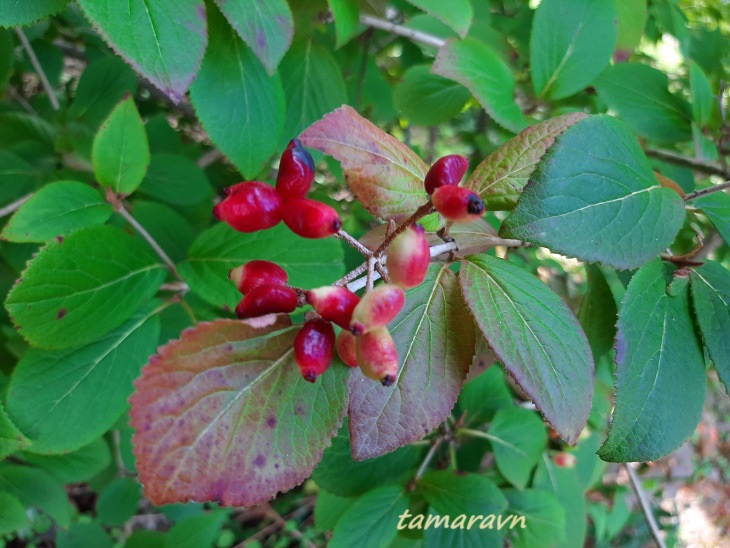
[
  {"x": 176, "y": 287},
  {"x": 38, "y": 68},
  {"x": 415, "y": 35},
  {"x": 420, "y": 213},
  {"x": 706, "y": 191},
  {"x": 347, "y": 278},
  {"x": 14, "y": 206},
  {"x": 711, "y": 168},
  {"x": 343, "y": 235},
  {"x": 118, "y": 460},
  {"x": 645, "y": 506},
  {"x": 429, "y": 457},
  {"x": 369, "y": 277}
]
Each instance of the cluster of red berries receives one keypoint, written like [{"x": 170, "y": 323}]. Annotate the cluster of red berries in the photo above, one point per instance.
[{"x": 254, "y": 205}]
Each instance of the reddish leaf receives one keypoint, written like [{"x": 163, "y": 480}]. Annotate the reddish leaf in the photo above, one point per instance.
[
  {"x": 223, "y": 415},
  {"x": 385, "y": 175},
  {"x": 435, "y": 351}
]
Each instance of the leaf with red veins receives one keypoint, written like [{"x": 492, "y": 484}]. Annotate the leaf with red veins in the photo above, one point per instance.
[
  {"x": 384, "y": 174},
  {"x": 435, "y": 341},
  {"x": 223, "y": 415}
]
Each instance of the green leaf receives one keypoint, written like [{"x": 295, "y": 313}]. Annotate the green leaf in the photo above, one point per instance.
[
  {"x": 55, "y": 210},
  {"x": 11, "y": 439},
  {"x": 195, "y": 531},
  {"x": 518, "y": 439},
  {"x": 84, "y": 534},
  {"x": 602, "y": 206},
  {"x": 175, "y": 179},
  {"x": 103, "y": 84},
  {"x": 570, "y": 45},
  {"x": 75, "y": 466},
  {"x": 120, "y": 153},
  {"x": 588, "y": 467},
  {"x": 309, "y": 263},
  {"x": 434, "y": 352},
  {"x": 341, "y": 475},
  {"x": 7, "y": 47},
  {"x": 36, "y": 489},
  {"x": 169, "y": 229},
  {"x": 118, "y": 502},
  {"x": 234, "y": 399},
  {"x": 239, "y": 104},
  {"x": 703, "y": 100},
  {"x": 267, "y": 27},
  {"x": 660, "y": 370},
  {"x": 480, "y": 69},
  {"x": 632, "y": 15},
  {"x": 598, "y": 312},
  {"x": 346, "y": 14},
  {"x": 13, "y": 516},
  {"x": 545, "y": 519},
  {"x": 482, "y": 397},
  {"x": 384, "y": 174},
  {"x": 428, "y": 99},
  {"x": 535, "y": 336},
  {"x": 500, "y": 178},
  {"x": 717, "y": 208},
  {"x": 17, "y": 177},
  {"x": 640, "y": 96},
  {"x": 457, "y": 14},
  {"x": 165, "y": 41},
  {"x": 83, "y": 287},
  {"x": 372, "y": 519},
  {"x": 313, "y": 86},
  {"x": 14, "y": 13},
  {"x": 329, "y": 509},
  {"x": 54, "y": 395},
  {"x": 711, "y": 300}
]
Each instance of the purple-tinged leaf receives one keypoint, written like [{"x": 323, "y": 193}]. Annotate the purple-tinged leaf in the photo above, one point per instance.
[
  {"x": 535, "y": 336},
  {"x": 385, "y": 175},
  {"x": 435, "y": 351},
  {"x": 224, "y": 415},
  {"x": 163, "y": 41}
]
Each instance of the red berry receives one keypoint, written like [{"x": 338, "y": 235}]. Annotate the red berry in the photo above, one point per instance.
[
  {"x": 334, "y": 304},
  {"x": 255, "y": 273},
  {"x": 408, "y": 257},
  {"x": 565, "y": 459},
  {"x": 458, "y": 204},
  {"x": 296, "y": 172},
  {"x": 377, "y": 356},
  {"x": 267, "y": 299},
  {"x": 346, "y": 347},
  {"x": 310, "y": 219},
  {"x": 377, "y": 308},
  {"x": 250, "y": 206},
  {"x": 446, "y": 171},
  {"x": 314, "y": 348}
]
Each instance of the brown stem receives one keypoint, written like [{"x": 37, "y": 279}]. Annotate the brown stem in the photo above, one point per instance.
[
  {"x": 421, "y": 212},
  {"x": 710, "y": 168},
  {"x": 347, "y": 278},
  {"x": 645, "y": 506},
  {"x": 706, "y": 191},
  {"x": 353, "y": 242}
]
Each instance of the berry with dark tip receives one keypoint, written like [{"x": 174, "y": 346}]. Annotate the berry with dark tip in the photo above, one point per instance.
[
  {"x": 250, "y": 206},
  {"x": 334, "y": 304},
  {"x": 408, "y": 257},
  {"x": 267, "y": 299},
  {"x": 377, "y": 356},
  {"x": 445, "y": 171},
  {"x": 458, "y": 204},
  {"x": 377, "y": 308},
  {"x": 310, "y": 218},
  {"x": 314, "y": 348},
  {"x": 296, "y": 172},
  {"x": 255, "y": 273},
  {"x": 347, "y": 348}
]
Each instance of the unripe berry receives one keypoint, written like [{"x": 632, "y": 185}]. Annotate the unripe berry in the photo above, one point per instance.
[
  {"x": 446, "y": 171},
  {"x": 314, "y": 348},
  {"x": 377, "y": 308},
  {"x": 255, "y": 273},
  {"x": 334, "y": 304},
  {"x": 310, "y": 219},
  {"x": 565, "y": 459},
  {"x": 408, "y": 257},
  {"x": 267, "y": 299},
  {"x": 347, "y": 347},
  {"x": 377, "y": 356},
  {"x": 250, "y": 206},
  {"x": 296, "y": 172},
  {"x": 458, "y": 204}
]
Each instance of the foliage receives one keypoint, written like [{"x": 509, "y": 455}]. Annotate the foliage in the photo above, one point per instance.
[{"x": 120, "y": 128}]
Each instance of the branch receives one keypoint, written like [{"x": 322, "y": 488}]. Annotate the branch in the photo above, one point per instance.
[
  {"x": 38, "y": 68},
  {"x": 645, "y": 507},
  {"x": 709, "y": 168},
  {"x": 415, "y": 35},
  {"x": 429, "y": 457},
  {"x": 706, "y": 191},
  {"x": 14, "y": 206}
]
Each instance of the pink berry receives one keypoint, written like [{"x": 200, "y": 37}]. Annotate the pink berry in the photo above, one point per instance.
[
  {"x": 377, "y": 356},
  {"x": 347, "y": 348},
  {"x": 296, "y": 172},
  {"x": 458, "y": 204},
  {"x": 377, "y": 308},
  {"x": 408, "y": 257},
  {"x": 310, "y": 218},
  {"x": 314, "y": 348},
  {"x": 334, "y": 304},
  {"x": 255, "y": 273},
  {"x": 250, "y": 206},
  {"x": 267, "y": 299},
  {"x": 446, "y": 171}
]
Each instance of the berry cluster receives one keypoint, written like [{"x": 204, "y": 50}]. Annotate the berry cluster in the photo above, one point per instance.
[
  {"x": 455, "y": 203},
  {"x": 254, "y": 205}
]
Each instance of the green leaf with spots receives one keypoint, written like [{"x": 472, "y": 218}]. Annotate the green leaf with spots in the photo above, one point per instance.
[{"x": 78, "y": 289}]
